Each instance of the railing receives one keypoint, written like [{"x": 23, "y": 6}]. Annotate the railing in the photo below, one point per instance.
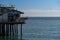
[{"x": 1, "y": 5}]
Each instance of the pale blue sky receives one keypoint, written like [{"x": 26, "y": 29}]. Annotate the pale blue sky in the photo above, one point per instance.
[{"x": 36, "y": 7}]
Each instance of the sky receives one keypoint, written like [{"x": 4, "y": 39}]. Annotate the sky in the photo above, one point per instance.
[{"x": 36, "y": 8}]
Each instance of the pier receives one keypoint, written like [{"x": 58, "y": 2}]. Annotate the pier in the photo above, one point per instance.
[{"x": 9, "y": 21}]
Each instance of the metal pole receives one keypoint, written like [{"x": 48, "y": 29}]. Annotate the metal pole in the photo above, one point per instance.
[{"x": 21, "y": 31}]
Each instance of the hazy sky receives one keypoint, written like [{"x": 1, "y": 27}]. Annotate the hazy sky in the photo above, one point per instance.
[{"x": 42, "y": 8}]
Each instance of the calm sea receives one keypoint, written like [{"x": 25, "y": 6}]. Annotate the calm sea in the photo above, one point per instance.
[
  {"x": 39, "y": 28},
  {"x": 42, "y": 28}
]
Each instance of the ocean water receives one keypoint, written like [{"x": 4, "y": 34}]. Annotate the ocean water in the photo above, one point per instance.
[
  {"x": 42, "y": 28},
  {"x": 37, "y": 28}
]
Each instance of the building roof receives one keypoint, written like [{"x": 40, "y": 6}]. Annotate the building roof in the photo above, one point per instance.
[
  {"x": 7, "y": 6},
  {"x": 4, "y": 10},
  {"x": 16, "y": 11}
]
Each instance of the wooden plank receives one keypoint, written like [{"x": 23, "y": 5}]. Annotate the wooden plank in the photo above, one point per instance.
[{"x": 12, "y": 22}]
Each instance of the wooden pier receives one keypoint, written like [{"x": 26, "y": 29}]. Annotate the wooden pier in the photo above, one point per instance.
[{"x": 9, "y": 20}]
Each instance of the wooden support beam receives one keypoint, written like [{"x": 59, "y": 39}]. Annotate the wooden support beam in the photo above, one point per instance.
[{"x": 12, "y": 22}]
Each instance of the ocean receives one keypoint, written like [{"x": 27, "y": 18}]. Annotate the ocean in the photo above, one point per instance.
[
  {"x": 42, "y": 28},
  {"x": 39, "y": 28}
]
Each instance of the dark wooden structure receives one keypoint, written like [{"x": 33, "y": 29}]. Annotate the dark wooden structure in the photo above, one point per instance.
[{"x": 12, "y": 18}]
